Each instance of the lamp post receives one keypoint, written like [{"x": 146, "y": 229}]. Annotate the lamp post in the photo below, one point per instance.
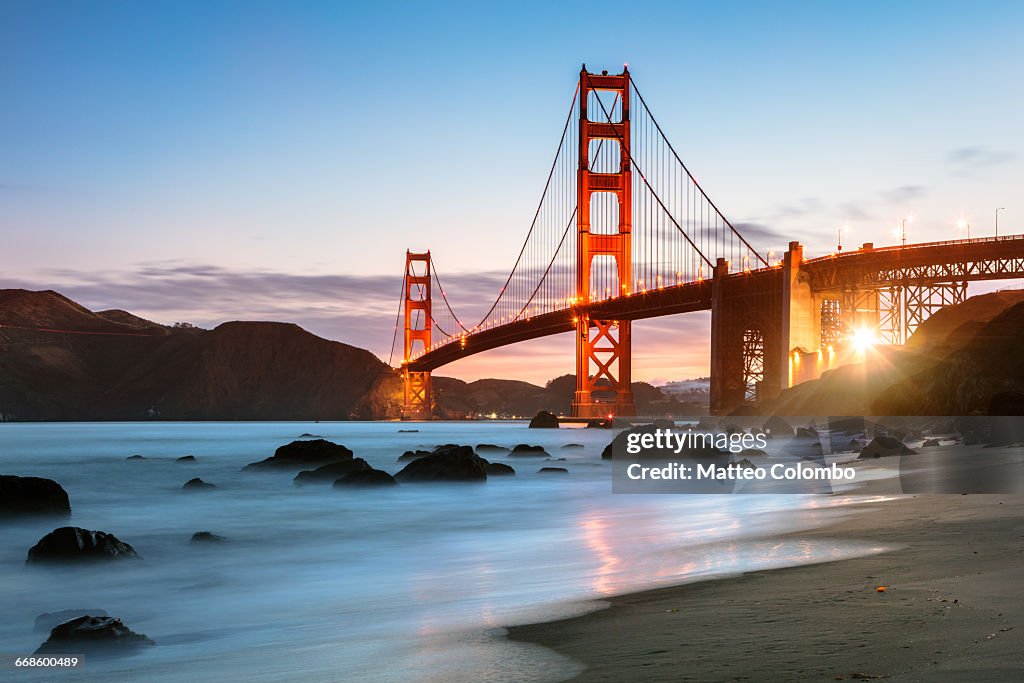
[
  {"x": 904, "y": 228},
  {"x": 1001, "y": 208},
  {"x": 962, "y": 224}
]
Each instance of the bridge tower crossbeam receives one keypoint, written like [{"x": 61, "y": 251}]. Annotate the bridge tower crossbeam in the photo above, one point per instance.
[{"x": 603, "y": 347}]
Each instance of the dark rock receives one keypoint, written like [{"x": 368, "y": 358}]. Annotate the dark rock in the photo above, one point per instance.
[
  {"x": 299, "y": 454},
  {"x": 206, "y": 537},
  {"x": 307, "y": 435},
  {"x": 186, "y": 458},
  {"x": 454, "y": 463},
  {"x": 412, "y": 455},
  {"x": 752, "y": 453},
  {"x": 776, "y": 426},
  {"x": 928, "y": 443},
  {"x": 745, "y": 464},
  {"x": 600, "y": 424},
  {"x": 408, "y": 431},
  {"x": 197, "y": 484},
  {"x": 136, "y": 457},
  {"x": 526, "y": 450},
  {"x": 331, "y": 472},
  {"x": 806, "y": 433},
  {"x": 46, "y": 621},
  {"x": 882, "y": 446},
  {"x": 499, "y": 469},
  {"x": 573, "y": 445},
  {"x": 484, "y": 447},
  {"x": 32, "y": 496},
  {"x": 552, "y": 470},
  {"x": 663, "y": 423},
  {"x": 691, "y": 450},
  {"x": 365, "y": 478},
  {"x": 73, "y": 544},
  {"x": 93, "y": 635},
  {"x": 544, "y": 420}
]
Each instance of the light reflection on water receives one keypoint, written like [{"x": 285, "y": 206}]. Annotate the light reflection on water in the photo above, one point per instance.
[{"x": 317, "y": 584}]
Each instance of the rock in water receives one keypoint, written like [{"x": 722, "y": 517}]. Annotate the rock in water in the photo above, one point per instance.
[
  {"x": 136, "y": 457},
  {"x": 95, "y": 635},
  {"x": 331, "y": 472},
  {"x": 776, "y": 426},
  {"x": 573, "y": 445},
  {"x": 882, "y": 446},
  {"x": 74, "y": 544},
  {"x": 46, "y": 621},
  {"x": 452, "y": 463},
  {"x": 544, "y": 420},
  {"x": 197, "y": 484},
  {"x": 552, "y": 470},
  {"x": 32, "y": 496},
  {"x": 527, "y": 450},
  {"x": 485, "y": 447},
  {"x": 412, "y": 455},
  {"x": 365, "y": 478},
  {"x": 928, "y": 443},
  {"x": 186, "y": 458},
  {"x": 206, "y": 537},
  {"x": 499, "y": 469},
  {"x": 299, "y": 454}
]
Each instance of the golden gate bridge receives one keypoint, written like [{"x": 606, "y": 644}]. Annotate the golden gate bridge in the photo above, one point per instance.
[{"x": 623, "y": 231}]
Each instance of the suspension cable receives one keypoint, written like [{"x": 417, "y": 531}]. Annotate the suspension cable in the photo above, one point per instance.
[{"x": 692, "y": 179}]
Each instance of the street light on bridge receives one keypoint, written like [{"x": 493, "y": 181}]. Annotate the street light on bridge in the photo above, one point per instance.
[
  {"x": 1001, "y": 208},
  {"x": 842, "y": 229},
  {"x": 962, "y": 224},
  {"x": 908, "y": 219}
]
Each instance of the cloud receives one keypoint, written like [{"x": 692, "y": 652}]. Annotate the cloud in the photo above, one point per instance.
[
  {"x": 903, "y": 193},
  {"x": 757, "y": 233},
  {"x": 978, "y": 156},
  {"x": 360, "y": 310}
]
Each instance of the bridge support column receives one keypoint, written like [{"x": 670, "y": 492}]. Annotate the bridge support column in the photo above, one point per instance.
[
  {"x": 417, "y": 401},
  {"x": 801, "y": 315},
  {"x": 603, "y": 378}
]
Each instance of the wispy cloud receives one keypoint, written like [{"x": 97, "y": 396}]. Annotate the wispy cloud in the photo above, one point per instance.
[
  {"x": 979, "y": 156},
  {"x": 903, "y": 193}
]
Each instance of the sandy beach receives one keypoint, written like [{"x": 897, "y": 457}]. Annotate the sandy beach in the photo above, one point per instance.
[{"x": 951, "y": 610}]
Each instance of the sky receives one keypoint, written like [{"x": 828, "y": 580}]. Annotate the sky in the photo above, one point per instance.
[{"x": 213, "y": 161}]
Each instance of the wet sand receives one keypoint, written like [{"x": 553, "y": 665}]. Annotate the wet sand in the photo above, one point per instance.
[{"x": 953, "y": 608}]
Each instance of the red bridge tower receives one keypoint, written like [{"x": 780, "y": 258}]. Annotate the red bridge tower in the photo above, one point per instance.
[{"x": 603, "y": 346}]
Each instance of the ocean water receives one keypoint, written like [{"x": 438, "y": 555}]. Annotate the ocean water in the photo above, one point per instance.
[{"x": 316, "y": 584}]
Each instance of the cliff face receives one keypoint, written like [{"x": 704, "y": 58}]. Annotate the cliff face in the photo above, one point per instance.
[{"x": 60, "y": 361}]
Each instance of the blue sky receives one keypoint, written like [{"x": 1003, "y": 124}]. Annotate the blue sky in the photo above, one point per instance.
[{"x": 212, "y": 161}]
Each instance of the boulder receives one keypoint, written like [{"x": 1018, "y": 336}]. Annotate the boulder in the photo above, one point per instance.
[
  {"x": 663, "y": 423},
  {"x": 206, "y": 537},
  {"x": 307, "y": 435},
  {"x": 93, "y": 635},
  {"x": 74, "y": 544},
  {"x": 929, "y": 443},
  {"x": 806, "y": 433},
  {"x": 776, "y": 426},
  {"x": 552, "y": 470},
  {"x": 544, "y": 420},
  {"x": 526, "y": 450},
  {"x": 499, "y": 469},
  {"x": 46, "y": 621},
  {"x": 300, "y": 454},
  {"x": 365, "y": 478},
  {"x": 485, "y": 447},
  {"x": 331, "y": 472},
  {"x": 573, "y": 445},
  {"x": 412, "y": 455},
  {"x": 882, "y": 446},
  {"x": 186, "y": 458},
  {"x": 136, "y": 457},
  {"x": 197, "y": 484},
  {"x": 457, "y": 463},
  {"x": 21, "y": 496}
]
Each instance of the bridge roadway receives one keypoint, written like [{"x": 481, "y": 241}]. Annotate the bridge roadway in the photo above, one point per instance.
[{"x": 991, "y": 258}]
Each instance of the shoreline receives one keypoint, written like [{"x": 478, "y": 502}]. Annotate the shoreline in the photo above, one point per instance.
[{"x": 951, "y": 609}]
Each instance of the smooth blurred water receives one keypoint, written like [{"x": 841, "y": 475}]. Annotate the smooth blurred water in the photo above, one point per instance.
[{"x": 317, "y": 584}]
